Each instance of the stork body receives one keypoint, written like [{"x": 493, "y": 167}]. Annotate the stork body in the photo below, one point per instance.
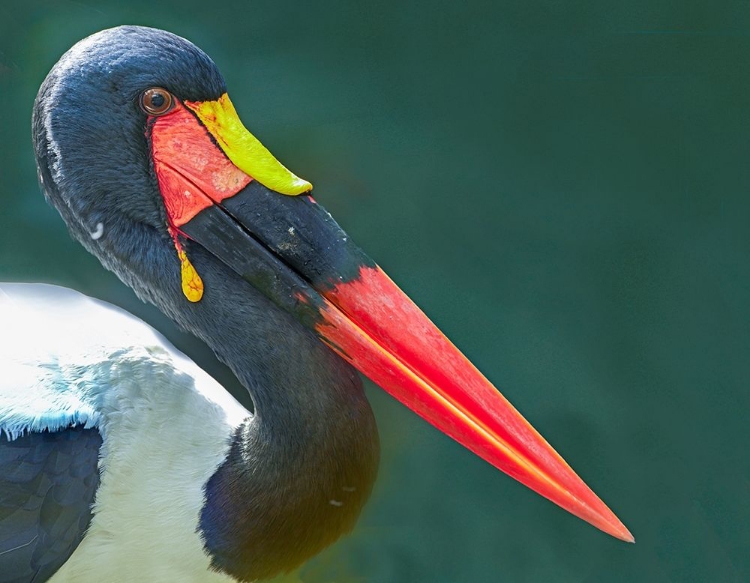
[
  {"x": 162, "y": 427},
  {"x": 120, "y": 460},
  {"x": 165, "y": 429}
]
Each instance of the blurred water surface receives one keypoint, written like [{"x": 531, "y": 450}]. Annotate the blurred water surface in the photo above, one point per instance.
[{"x": 562, "y": 186}]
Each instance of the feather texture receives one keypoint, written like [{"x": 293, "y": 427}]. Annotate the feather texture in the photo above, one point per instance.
[{"x": 165, "y": 427}]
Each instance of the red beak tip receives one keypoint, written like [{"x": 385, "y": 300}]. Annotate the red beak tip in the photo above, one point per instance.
[
  {"x": 619, "y": 531},
  {"x": 371, "y": 323},
  {"x": 627, "y": 536}
]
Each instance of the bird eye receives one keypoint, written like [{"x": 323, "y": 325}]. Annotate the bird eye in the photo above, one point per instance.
[{"x": 156, "y": 101}]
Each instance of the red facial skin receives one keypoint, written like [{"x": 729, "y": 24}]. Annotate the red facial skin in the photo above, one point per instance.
[{"x": 193, "y": 172}]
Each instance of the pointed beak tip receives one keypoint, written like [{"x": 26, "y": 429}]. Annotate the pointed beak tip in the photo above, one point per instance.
[
  {"x": 615, "y": 528},
  {"x": 625, "y": 535}
]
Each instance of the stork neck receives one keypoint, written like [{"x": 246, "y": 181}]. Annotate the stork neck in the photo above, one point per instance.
[{"x": 300, "y": 470}]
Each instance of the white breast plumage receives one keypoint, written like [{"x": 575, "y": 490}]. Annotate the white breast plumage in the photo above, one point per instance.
[{"x": 165, "y": 424}]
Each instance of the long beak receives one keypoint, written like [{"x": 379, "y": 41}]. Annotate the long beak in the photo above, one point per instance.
[{"x": 293, "y": 251}]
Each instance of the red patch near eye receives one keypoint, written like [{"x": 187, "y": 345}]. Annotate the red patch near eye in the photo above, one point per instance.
[{"x": 193, "y": 172}]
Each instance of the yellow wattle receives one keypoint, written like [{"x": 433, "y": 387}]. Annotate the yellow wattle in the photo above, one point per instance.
[{"x": 192, "y": 284}]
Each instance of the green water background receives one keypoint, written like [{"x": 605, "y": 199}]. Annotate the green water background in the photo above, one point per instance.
[{"x": 562, "y": 186}]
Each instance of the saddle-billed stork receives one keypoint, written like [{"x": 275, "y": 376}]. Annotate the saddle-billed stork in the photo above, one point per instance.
[{"x": 120, "y": 460}]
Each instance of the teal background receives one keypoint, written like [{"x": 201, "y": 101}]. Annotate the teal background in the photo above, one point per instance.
[{"x": 562, "y": 186}]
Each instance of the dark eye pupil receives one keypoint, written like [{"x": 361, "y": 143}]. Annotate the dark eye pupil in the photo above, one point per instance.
[{"x": 156, "y": 101}]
